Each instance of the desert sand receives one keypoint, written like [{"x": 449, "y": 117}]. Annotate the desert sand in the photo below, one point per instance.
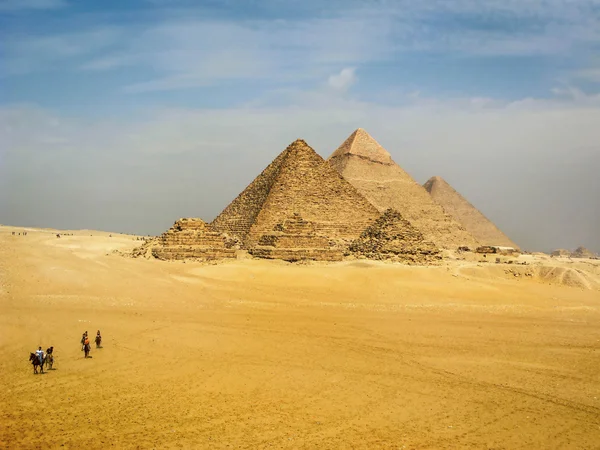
[{"x": 267, "y": 354}]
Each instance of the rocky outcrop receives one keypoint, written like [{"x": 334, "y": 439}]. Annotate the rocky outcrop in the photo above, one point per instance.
[
  {"x": 393, "y": 238},
  {"x": 365, "y": 164},
  {"x": 295, "y": 239}
]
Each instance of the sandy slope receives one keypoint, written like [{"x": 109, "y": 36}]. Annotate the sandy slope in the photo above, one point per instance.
[{"x": 253, "y": 354}]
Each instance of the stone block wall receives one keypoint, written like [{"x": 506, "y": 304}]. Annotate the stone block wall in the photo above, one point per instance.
[
  {"x": 192, "y": 239},
  {"x": 295, "y": 239}
]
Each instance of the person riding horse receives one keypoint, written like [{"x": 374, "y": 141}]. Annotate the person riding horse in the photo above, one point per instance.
[
  {"x": 98, "y": 339},
  {"x": 40, "y": 354},
  {"x": 50, "y": 356},
  {"x": 86, "y": 346}
]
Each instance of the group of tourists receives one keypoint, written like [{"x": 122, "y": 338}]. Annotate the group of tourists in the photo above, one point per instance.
[
  {"x": 85, "y": 342},
  {"x": 39, "y": 358}
]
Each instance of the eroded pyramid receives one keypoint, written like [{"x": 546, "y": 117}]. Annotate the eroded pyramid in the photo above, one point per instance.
[
  {"x": 298, "y": 183},
  {"x": 295, "y": 239},
  {"x": 393, "y": 237},
  {"x": 582, "y": 252},
  {"x": 466, "y": 214},
  {"x": 189, "y": 238},
  {"x": 371, "y": 170}
]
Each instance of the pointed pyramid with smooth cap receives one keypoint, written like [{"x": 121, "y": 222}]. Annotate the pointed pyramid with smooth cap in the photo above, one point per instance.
[
  {"x": 297, "y": 186},
  {"x": 466, "y": 214},
  {"x": 370, "y": 169}
]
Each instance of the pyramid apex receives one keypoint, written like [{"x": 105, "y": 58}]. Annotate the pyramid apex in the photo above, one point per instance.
[{"x": 361, "y": 144}]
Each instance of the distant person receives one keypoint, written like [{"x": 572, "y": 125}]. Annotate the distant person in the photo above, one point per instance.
[
  {"x": 40, "y": 354},
  {"x": 50, "y": 356},
  {"x": 98, "y": 339},
  {"x": 83, "y": 337},
  {"x": 86, "y": 346}
]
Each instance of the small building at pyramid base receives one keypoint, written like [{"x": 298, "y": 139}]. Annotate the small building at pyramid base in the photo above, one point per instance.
[
  {"x": 393, "y": 238},
  {"x": 190, "y": 238},
  {"x": 295, "y": 239}
]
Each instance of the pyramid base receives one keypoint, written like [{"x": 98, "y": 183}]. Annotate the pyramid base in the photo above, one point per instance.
[{"x": 300, "y": 254}]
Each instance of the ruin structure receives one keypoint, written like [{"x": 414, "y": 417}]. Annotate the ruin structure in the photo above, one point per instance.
[
  {"x": 391, "y": 237},
  {"x": 190, "y": 239}
]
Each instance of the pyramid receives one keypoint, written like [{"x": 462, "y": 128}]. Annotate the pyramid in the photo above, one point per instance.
[
  {"x": 371, "y": 170},
  {"x": 466, "y": 214},
  {"x": 295, "y": 239},
  {"x": 392, "y": 237},
  {"x": 582, "y": 252},
  {"x": 189, "y": 239},
  {"x": 298, "y": 183}
]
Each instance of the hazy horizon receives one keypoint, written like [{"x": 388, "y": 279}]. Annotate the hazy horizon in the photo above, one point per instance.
[{"x": 127, "y": 116}]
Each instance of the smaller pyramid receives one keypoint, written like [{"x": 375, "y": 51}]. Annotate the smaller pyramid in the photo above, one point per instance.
[
  {"x": 190, "y": 239},
  {"x": 392, "y": 237},
  {"x": 466, "y": 214},
  {"x": 561, "y": 252},
  {"x": 295, "y": 239},
  {"x": 582, "y": 252}
]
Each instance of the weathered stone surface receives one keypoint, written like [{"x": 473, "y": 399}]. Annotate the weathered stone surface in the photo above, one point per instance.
[
  {"x": 295, "y": 239},
  {"x": 494, "y": 249},
  {"x": 392, "y": 237},
  {"x": 371, "y": 170},
  {"x": 466, "y": 214},
  {"x": 189, "y": 239},
  {"x": 297, "y": 181}
]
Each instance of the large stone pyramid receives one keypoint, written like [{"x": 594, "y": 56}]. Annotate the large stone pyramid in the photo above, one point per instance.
[
  {"x": 466, "y": 214},
  {"x": 297, "y": 185},
  {"x": 371, "y": 170}
]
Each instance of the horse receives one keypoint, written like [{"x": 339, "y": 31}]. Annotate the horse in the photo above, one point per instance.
[
  {"x": 86, "y": 349},
  {"x": 98, "y": 341},
  {"x": 35, "y": 361},
  {"x": 49, "y": 360}
]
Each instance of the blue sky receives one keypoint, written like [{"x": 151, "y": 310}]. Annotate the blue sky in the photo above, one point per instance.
[
  {"x": 66, "y": 54},
  {"x": 149, "y": 87}
]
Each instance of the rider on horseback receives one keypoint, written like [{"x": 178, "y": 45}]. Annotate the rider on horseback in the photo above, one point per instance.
[{"x": 40, "y": 354}]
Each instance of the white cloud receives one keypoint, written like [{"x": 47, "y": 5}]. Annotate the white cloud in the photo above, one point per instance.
[
  {"x": 30, "y": 53},
  {"x": 588, "y": 74},
  {"x": 184, "y": 48},
  {"x": 343, "y": 80}
]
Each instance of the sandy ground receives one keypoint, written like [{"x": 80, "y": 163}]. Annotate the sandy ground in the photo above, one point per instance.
[{"x": 258, "y": 354}]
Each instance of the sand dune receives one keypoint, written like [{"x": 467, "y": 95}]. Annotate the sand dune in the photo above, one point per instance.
[{"x": 266, "y": 354}]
